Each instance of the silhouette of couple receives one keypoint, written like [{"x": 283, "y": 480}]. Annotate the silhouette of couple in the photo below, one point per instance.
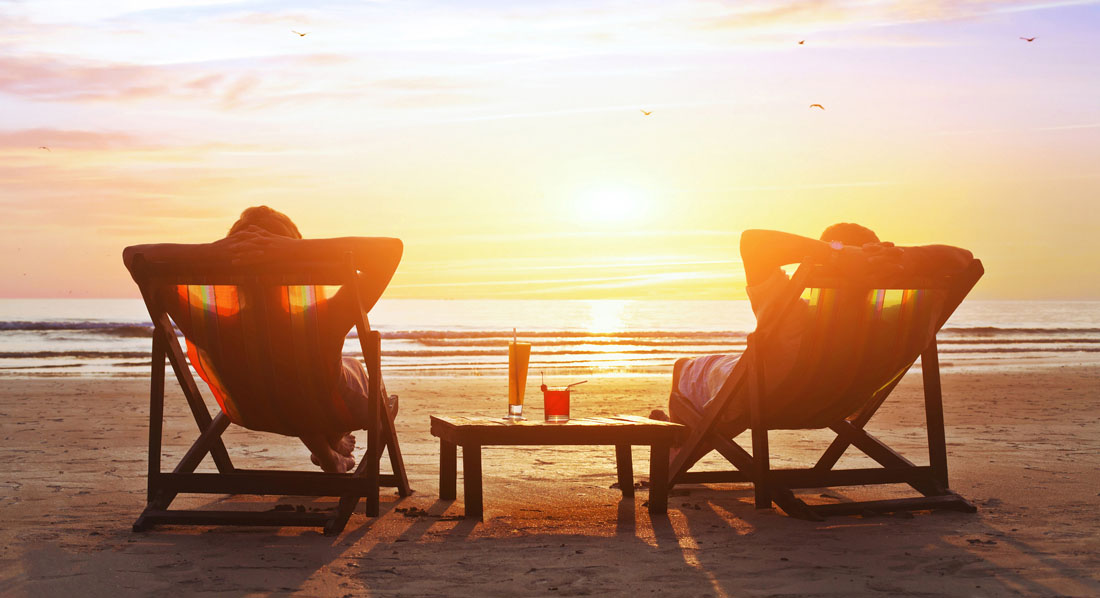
[{"x": 265, "y": 235}]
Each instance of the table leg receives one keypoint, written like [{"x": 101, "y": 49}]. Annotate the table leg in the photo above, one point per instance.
[
  {"x": 471, "y": 481},
  {"x": 448, "y": 470},
  {"x": 625, "y": 468},
  {"x": 658, "y": 478}
]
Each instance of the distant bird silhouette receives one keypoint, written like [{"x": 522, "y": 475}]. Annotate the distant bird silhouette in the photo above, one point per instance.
[
  {"x": 1028, "y": 39},
  {"x": 644, "y": 113},
  {"x": 801, "y": 42},
  {"x": 299, "y": 34},
  {"x": 817, "y": 106},
  {"x": 45, "y": 148}
]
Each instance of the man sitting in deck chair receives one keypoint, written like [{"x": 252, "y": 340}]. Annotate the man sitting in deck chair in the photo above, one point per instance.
[
  {"x": 849, "y": 248},
  {"x": 265, "y": 235}
]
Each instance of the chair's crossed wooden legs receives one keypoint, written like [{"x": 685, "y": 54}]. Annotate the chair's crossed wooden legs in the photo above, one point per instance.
[
  {"x": 368, "y": 466},
  {"x": 164, "y": 487},
  {"x": 776, "y": 485},
  {"x": 932, "y": 481}
]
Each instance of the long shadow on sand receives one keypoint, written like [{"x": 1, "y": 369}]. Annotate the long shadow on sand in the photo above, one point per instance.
[{"x": 712, "y": 543}]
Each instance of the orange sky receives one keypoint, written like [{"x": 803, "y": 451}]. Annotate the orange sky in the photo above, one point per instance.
[{"x": 506, "y": 146}]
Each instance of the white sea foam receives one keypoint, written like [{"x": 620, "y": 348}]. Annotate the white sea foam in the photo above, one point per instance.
[{"x": 112, "y": 337}]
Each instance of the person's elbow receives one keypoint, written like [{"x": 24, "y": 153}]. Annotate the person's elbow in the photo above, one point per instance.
[
  {"x": 393, "y": 250},
  {"x": 954, "y": 258},
  {"x": 752, "y": 241},
  {"x": 384, "y": 252},
  {"x": 963, "y": 258},
  {"x": 129, "y": 254}
]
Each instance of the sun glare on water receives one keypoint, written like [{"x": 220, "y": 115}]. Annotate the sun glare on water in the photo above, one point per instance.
[{"x": 605, "y": 316}]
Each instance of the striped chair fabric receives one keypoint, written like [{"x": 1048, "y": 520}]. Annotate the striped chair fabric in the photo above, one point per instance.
[
  {"x": 260, "y": 351},
  {"x": 857, "y": 342}
]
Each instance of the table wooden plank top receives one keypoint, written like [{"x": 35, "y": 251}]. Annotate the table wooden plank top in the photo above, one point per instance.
[{"x": 618, "y": 429}]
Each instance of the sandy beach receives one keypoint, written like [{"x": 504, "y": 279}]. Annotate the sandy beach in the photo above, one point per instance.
[{"x": 1024, "y": 446}]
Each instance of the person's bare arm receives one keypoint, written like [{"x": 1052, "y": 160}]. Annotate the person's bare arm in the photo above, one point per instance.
[
  {"x": 247, "y": 246},
  {"x": 932, "y": 260},
  {"x": 376, "y": 257},
  {"x": 763, "y": 252}
]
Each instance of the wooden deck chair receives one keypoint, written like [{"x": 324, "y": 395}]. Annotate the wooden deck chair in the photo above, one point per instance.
[
  {"x": 862, "y": 338},
  {"x": 236, "y": 321}
]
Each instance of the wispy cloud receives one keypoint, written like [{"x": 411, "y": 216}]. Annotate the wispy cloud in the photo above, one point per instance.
[
  {"x": 283, "y": 18},
  {"x": 796, "y": 187},
  {"x": 229, "y": 85},
  {"x": 44, "y": 78},
  {"x": 795, "y": 16},
  {"x": 996, "y": 131},
  {"x": 59, "y": 138}
]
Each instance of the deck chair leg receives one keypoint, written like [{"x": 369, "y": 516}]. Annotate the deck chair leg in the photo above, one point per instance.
[
  {"x": 793, "y": 506},
  {"x": 195, "y": 455},
  {"x": 156, "y": 418},
  {"x": 697, "y": 447},
  {"x": 761, "y": 458},
  {"x": 374, "y": 449},
  {"x": 192, "y": 394},
  {"x": 761, "y": 470},
  {"x": 687, "y": 460},
  {"x": 372, "y": 478},
  {"x": 343, "y": 513},
  {"x": 884, "y": 455},
  {"x": 933, "y": 407},
  {"x": 397, "y": 462}
]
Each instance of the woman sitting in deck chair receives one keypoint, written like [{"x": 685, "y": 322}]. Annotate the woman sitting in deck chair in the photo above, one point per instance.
[
  {"x": 265, "y": 235},
  {"x": 848, "y": 248}
]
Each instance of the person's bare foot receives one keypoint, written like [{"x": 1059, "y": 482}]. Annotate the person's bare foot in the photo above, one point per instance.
[
  {"x": 338, "y": 464},
  {"x": 325, "y": 457},
  {"x": 343, "y": 444}
]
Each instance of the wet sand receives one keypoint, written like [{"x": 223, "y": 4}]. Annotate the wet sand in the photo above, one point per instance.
[{"x": 1024, "y": 445}]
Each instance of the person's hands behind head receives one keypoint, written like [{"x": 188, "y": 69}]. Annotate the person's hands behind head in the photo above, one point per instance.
[
  {"x": 872, "y": 259},
  {"x": 253, "y": 245},
  {"x": 884, "y": 248},
  {"x": 883, "y": 258},
  {"x": 850, "y": 261}
]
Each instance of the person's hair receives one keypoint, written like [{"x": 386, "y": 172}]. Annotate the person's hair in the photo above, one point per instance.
[
  {"x": 274, "y": 222},
  {"x": 849, "y": 233}
]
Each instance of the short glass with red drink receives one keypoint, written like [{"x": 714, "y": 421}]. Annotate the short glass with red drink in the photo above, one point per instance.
[{"x": 555, "y": 403}]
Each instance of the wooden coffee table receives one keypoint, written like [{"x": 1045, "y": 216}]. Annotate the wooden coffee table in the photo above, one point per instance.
[{"x": 622, "y": 431}]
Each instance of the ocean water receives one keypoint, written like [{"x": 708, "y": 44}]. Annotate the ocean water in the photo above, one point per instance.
[{"x": 111, "y": 337}]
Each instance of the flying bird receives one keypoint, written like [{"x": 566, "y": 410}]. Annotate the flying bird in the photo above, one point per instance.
[
  {"x": 299, "y": 34},
  {"x": 801, "y": 42},
  {"x": 1028, "y": 39},
  {"x": 644, "y": 113},
  {"x": 817, "y": 106},
  {"x": 45, "y": 148}
]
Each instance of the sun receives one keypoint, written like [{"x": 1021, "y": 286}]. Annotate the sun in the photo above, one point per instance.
[{"x": 609, "y": 205}]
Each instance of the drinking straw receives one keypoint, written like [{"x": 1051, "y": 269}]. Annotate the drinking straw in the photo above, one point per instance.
[{"x": 513, "y": 370}]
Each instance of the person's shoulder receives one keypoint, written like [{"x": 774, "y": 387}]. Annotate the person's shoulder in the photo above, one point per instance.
[
  {"x": 777, "y": 280},
  {"x": 768, "y": 291}
]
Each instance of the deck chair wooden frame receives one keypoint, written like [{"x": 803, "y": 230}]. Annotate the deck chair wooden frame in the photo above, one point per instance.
[
  {"x": 708, "y": 432},
  {"x": 163, "y": 487}
]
